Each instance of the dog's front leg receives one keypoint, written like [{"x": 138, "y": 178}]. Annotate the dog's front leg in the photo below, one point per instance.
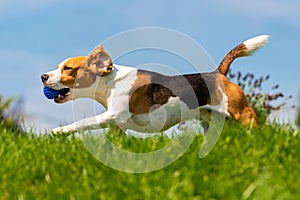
[{"x": 99, "y": 121}]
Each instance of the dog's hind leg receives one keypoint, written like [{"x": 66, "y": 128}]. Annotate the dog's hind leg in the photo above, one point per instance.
[{"x": 248, "y": 116}]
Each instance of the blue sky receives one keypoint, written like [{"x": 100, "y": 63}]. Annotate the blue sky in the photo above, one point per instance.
[{"x": 36, "y": 35}]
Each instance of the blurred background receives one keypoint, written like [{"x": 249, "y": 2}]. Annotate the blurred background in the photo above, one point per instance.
[{"x": 36, "y": 35}]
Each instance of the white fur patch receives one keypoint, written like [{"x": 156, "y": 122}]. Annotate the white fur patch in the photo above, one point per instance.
[
  {"x": 162, "y": 118},
  {"x": 254, "y": 43},
  {"x": 54, "y": 77},
  {"x": 54, "y": 80},
  {"x": 120, "y": 86},
  {"x": 222, "y": 107}
]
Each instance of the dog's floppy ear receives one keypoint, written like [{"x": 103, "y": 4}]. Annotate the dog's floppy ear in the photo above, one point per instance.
[{"x": 99, "y": 61}]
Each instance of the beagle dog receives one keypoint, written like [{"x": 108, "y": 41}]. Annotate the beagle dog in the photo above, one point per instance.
[{"x": 147, "y": 101}]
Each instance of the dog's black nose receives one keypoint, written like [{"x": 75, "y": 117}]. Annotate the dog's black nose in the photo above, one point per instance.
[{"x": 44, "y": 77}]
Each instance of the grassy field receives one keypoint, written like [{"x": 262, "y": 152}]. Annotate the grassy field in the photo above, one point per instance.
[{"x": 263, "y": 163}]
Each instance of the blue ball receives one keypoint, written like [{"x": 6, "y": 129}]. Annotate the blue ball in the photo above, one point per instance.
[{"x": 50, "y": 93}]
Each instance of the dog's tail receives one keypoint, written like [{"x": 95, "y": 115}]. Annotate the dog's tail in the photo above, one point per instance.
[{"x": 246, "y": 48}]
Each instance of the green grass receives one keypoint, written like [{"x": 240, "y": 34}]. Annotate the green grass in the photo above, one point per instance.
[{"x": 262, "y": 163}]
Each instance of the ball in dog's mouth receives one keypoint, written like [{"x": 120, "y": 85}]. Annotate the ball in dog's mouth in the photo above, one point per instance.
[{"x": 62, "y": 95}]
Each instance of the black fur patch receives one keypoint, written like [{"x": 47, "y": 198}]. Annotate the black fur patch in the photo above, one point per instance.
[{"x": 193, "y": 89}]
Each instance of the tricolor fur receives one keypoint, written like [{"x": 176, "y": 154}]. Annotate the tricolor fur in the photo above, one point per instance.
[{"x": 147, "y": 101}]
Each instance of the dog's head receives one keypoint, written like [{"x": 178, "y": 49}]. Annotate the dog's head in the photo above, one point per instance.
[{"x": 78, "y": 73}]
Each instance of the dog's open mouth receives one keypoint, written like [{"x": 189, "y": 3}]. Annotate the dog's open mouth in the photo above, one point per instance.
[{"x": 64, "y": 93}]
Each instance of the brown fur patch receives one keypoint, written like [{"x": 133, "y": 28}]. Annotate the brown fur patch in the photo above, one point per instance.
[
  {"x": 139, "y": 101},
  {"x": 236, "y": 52},
  {"x": 75, "y": 74},
  {"x": 70, "y": 69},
  {"x": 99, "y": 61},
  {"x": 238, "y": 105},
  {"x": 81, "y": 71}
]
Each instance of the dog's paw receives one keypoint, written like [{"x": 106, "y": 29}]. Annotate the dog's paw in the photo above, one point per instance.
[
  {"x": 56, "y": 131},
  {"x": 65, "y": 130}
]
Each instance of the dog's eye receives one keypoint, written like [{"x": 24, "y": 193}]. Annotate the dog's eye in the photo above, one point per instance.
[{"x": 67, "y": 68}]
